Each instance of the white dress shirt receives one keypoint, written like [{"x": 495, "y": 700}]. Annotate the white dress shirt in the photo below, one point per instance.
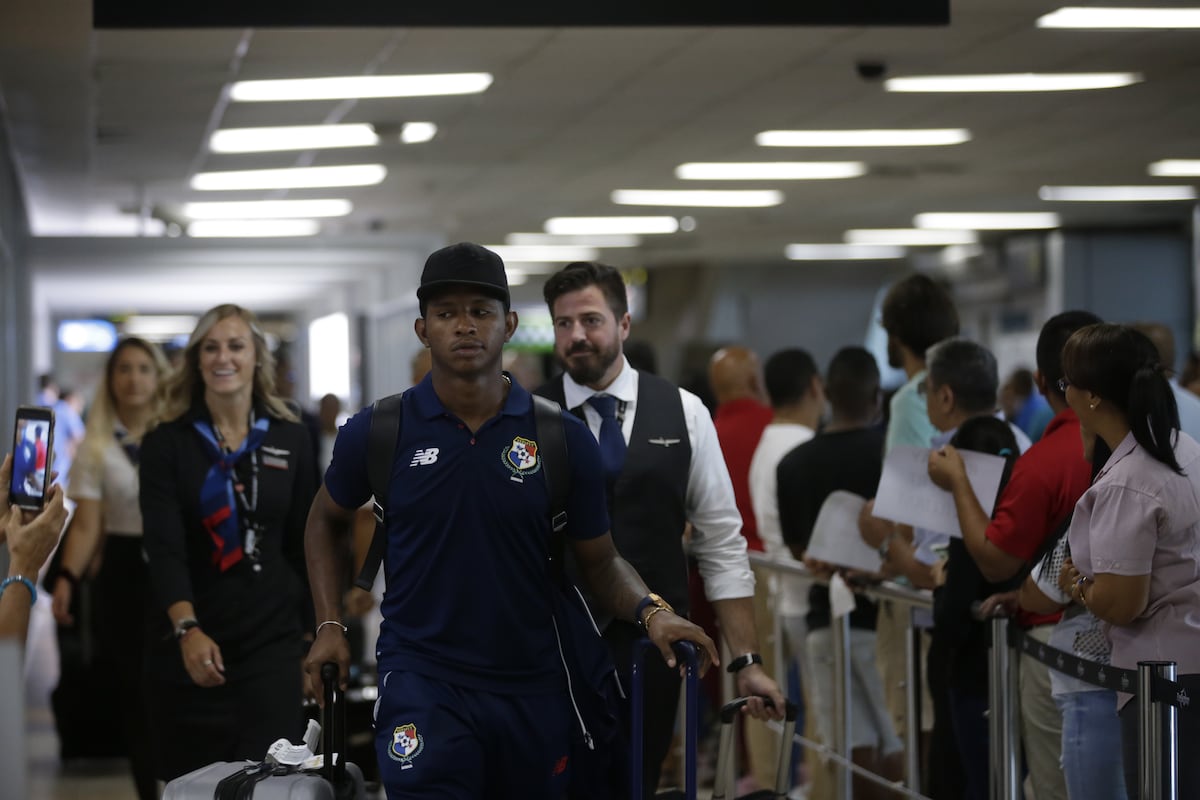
[{"x": 717, "y": 541}]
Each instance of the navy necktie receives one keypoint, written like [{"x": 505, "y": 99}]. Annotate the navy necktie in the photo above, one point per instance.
[{"x": 612, "y": 441}]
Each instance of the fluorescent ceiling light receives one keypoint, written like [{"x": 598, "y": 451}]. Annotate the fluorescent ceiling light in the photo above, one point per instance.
[
  {"x": 864, "y": 138},
  {"x": 158, "y": 326},
  {"x": 294, "y": 137},
  {"x": 770, "y": 171},
  {"x": 361, "y": 86},
  {"x": 252, "y": 228},
  {"x": 584, "y": 226},
  {"x": 545, "y": 252},
  {"x": 1017, "y": 82},
  {"x": 1120, "y": 18},
  {"x": 290, "y": 178},
  {"x": 1019, "y": 221},
  {"x": 1116, "y": 194},
  {"x": 268, "y": 209},
  {"x": 911, "y": 237},
  {"x": 708, "y": 198},
  {"x": 417, "y": 132},
  {"x": 592, "y": 240},
  {"x": 1176, "y": 168},
  {"x": 842, "y": 252}
]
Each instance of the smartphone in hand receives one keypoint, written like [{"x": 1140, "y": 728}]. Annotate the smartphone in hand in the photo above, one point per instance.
[{"x": 33, "y": 444}]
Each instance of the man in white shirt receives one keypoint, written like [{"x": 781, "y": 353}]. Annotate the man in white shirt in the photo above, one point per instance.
[
  {"x": 798, "y": 401},
  {"x": 665, "y": 468}
]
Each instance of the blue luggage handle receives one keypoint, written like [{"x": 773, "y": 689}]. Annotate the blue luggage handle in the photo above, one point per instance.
[{"x": 688, "y": 654}]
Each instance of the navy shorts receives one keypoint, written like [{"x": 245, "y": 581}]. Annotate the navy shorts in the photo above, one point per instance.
[{"x": 435, "y": 740}]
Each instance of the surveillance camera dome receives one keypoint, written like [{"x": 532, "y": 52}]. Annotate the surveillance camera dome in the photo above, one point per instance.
[{"x": 870, "y": 70}]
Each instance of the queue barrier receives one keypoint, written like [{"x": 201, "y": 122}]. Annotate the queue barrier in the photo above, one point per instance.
[
  {"x": 1158, "y": 723},
  {"x": 1158, "y": 731},
  {"x": 838, "y": 751}
]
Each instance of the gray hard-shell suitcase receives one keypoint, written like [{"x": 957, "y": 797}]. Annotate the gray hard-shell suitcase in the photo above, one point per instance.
[{"x": 342, "y": 781}]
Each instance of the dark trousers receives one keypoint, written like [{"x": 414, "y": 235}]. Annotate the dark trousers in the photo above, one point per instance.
[
  {"x": 662, "y": 697},
  {"x": 195, "y": 726},
  {"x": 944, "y": 773},
  {"x": 969, "y": 712},
  {"x": 1189, "y": 742},
  {"x": 120, "y": 595}
]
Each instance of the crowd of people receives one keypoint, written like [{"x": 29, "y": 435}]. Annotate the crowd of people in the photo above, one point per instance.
[{"x": 216, "y": 531}]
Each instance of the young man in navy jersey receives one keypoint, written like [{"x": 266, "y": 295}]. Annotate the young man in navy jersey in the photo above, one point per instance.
[{"x": 473, "y": 702}]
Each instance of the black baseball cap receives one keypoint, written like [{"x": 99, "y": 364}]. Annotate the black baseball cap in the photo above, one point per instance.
[{"x": 464, "y": 264}]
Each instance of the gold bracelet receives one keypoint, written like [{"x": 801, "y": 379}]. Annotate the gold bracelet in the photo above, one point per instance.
[{"x": 652, "y": 612}]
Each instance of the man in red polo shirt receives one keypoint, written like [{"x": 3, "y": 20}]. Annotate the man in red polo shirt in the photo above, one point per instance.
[
  {"x": 742, "y": 414},
  {"x": 1046, "y": 483}
]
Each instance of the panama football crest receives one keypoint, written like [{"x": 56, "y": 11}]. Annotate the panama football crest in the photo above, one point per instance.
[
  {"x": 407, "y": 744},
  {"x": 521, "y": 457}
]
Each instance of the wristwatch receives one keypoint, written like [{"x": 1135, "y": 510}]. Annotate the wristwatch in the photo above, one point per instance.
[
  {"x": 185, "y": 625},
  {"x": 649, "y": 600},
  {"x": 741, "y": 662}
]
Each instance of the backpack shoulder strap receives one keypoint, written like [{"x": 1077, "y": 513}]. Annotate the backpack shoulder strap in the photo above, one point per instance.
[
  {"x": 552, "y": 443},
  {"x": 382, "y": 439}
]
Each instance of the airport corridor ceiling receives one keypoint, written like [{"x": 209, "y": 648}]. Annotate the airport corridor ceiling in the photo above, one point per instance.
[{"x": 111, "y": 128}]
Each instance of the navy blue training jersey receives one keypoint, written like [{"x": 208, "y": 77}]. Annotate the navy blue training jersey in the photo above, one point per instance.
[{"x": 468, "y": 530}]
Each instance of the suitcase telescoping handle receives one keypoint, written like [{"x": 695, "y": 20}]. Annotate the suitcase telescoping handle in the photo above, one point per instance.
[
  {"x": 333, "y": 728},
  {"x": 688, "y": 654},
  {"x": 723, "y": 781}
]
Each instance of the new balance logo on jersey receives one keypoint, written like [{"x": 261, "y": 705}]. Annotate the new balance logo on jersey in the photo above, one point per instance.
[{"x": 424, "y": 458}]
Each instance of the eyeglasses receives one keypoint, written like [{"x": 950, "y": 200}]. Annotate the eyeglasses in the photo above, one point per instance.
[{"x": 1063, "y": 383}]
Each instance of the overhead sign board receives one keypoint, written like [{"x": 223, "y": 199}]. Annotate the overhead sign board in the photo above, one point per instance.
[{"x": 527, "y": 13}]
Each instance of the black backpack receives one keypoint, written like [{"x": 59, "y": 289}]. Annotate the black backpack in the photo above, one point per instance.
[{"x": 599, "y": 748}]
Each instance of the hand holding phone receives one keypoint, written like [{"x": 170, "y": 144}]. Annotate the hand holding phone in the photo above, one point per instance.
[{"x": 33, "y": 444}]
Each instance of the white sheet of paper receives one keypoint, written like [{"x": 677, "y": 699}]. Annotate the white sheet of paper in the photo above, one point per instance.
[
  {"x": 841, "y": 597},
  {"x": 835, "y": 538},
  {"x": 907, "y": 495}
]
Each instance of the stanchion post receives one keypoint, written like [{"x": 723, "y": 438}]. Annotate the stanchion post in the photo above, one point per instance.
[
  {"x": 839, "y": 628},
  {"x": 1003, "y": 690},
  {"x": 1158, "y": 736},
  {"x": 912, "y": 694}
]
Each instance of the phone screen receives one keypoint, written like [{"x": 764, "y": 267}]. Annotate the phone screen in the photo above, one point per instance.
[{"x": 33, "y": 443}]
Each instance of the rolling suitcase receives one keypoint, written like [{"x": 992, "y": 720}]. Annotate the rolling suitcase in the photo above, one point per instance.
[
  {"x": 723, "y": 782},
  {"x": 241, "y": 780},
  {"x": 686, "y": 651}
]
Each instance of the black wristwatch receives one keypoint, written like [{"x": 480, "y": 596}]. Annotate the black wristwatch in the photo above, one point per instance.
[
  {"x": 185, "y": 625},
  {"x": 741, "y": 662}
]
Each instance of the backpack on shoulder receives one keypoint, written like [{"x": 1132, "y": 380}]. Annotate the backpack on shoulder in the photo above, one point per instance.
[{"x": 599, "y": 757}]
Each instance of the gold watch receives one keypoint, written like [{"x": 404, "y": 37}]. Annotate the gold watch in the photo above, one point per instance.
[{"x": 658, "y": 604}]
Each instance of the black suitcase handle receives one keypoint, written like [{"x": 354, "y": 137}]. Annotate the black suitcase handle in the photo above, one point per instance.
[{"x": 333, "y": 726}]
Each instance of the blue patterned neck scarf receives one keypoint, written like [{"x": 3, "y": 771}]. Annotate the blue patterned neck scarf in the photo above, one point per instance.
[{"x": 218, "y": 509}]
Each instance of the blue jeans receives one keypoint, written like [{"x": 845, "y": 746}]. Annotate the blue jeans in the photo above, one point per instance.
[{"x": 1091, "y": 745}]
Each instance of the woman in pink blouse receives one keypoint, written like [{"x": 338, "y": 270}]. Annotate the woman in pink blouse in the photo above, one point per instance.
[{"x": 1135, "y": 536}]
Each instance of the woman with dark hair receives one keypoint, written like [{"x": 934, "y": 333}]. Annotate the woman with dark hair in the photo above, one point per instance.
[
  {"x": 1135, "y": 535},
  {"x": 226, "y": 483}
]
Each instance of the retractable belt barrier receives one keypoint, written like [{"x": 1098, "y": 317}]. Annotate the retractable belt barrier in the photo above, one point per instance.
[
  {"x": 1153, "y": 683},
  {"x": 1106, "y": 676}
]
